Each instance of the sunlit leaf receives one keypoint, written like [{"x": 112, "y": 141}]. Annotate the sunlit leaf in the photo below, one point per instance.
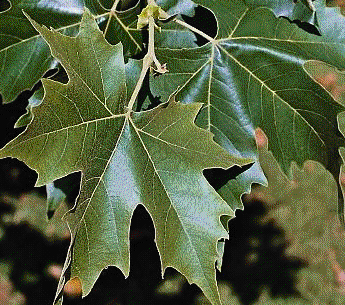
[
  {"x": 155, "y": 158},
  {"x": 255, "y": 78}
]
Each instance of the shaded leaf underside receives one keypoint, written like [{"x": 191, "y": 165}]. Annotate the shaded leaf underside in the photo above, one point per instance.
[
  {"x": 25, "y": 56},
  {"x": 300, "y": 12}
]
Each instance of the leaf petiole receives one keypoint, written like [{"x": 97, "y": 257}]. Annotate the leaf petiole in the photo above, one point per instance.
[
  {"x": 148, "y": 60},
  {"x": 195, "y": 30}
]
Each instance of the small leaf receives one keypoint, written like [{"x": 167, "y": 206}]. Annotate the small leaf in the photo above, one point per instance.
[
  {"x": 150, "y": 11},
  {"x": 34, "y": 101},
  {"x": 54, "y": 198}
]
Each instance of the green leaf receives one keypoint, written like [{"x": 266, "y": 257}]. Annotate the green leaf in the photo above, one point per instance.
[
  {"x": 174, "y": 36},
  {"x": 120, "y": 26},
  {"x": 155, "y": 158},
  {"x": 25, "y": 57},
  {"x": 150, "y": 11},
  {"x": 300, "y": 12},
  {"x": 228, "y": 12},
  {"x": 175, "y": 7},
  {"x": 133, "y": 68},
  {"x": 255, "y": 78},
  {"x": 55, "y": 196},
  {"x": 34, "y": 100},
  {"x": 323, "y": 20},
  {"x": 331, "y": 22}
]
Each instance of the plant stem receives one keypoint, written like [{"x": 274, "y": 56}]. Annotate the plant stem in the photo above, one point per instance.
[
  {"x": 149, "y": 58},
  {"x": 113, "y": 8},
  {"x": 146, "y": 64},
  {"x": 311, "y": 5},
  {"x": 195, "y": 30}
]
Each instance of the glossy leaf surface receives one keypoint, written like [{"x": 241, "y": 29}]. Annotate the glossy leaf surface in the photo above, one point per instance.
[
  {"x": 301, "y": 12},
  {"x": 228, "y": 12},
  {"x": 155, "y": 158},
  {"x": 24, "y": 55},
  {"x": 255, "y": 78}
]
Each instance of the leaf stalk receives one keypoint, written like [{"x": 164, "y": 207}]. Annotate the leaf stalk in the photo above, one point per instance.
[
  {"x": 195, "y": 30},
  {"x": 148, "y": 60}
]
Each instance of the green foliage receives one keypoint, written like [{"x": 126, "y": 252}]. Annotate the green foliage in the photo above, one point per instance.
[
  {"x": 251, "y": 75},
  {"x": 155, "y": 158},
  {"x": 25, "y": 54},
  {"x": 302, "y": 12}
]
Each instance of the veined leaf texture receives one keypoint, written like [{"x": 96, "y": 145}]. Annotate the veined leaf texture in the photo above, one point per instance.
[
  {"x": 154, "y": 158},
  {"x": 250, "y": 75}
]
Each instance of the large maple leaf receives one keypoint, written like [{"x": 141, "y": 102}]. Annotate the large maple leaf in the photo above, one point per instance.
[
  {"x": 252, "y": 76},
  {"x": 155, "y": 158}
]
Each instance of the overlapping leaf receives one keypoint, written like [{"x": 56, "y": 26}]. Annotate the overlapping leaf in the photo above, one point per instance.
[
  {"x": 254, "y": 78},
  {"x": 331, "y": 22},
  {"x": 314, "y": 17},
  {"x": 25, "y": 57},
  {"x": 155, "y": 158},
  {"x": 302, "y": 12},
  {"x": 227, "y": 12},
  {"x": 229, "y": 16}
]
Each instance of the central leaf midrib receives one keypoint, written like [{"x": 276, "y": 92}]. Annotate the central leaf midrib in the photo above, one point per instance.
[
  {"x": 101, "y": 176},
  {"x": 88, "y": 200},
  {"x": 23, "y": 68}
]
